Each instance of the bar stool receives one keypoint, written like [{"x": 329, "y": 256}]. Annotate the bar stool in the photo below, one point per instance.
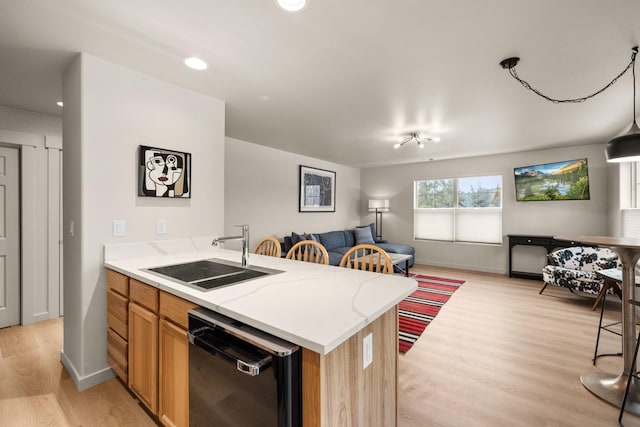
[
  {"x": 614, "y": 284},
  {"x": 632, "y": 374}
]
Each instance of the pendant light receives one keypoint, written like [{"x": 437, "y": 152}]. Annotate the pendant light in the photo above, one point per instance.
[{"x": 626, "y": 148}]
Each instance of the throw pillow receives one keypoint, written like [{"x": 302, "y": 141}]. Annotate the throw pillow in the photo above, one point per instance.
[
  {"x": 373, "y": 230},
  {"x": 363, "y": 235},
  {"x": 295, "y": 237},
  {"x": 308, "y": 236}
]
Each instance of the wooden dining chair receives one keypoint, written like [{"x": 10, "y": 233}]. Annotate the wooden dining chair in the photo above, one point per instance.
[
  {"x": 269, "y": 246},
  {"x": 368, "y": 258},
  {"x": 309, "y": 251}
]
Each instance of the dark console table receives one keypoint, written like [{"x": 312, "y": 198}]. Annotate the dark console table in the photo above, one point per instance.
[{"x": 547, "y": 242}]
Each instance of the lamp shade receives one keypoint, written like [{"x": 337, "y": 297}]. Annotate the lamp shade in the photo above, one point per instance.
[
  {"x": 623, "y": 148},
  {"x": 379, "y": 205}
]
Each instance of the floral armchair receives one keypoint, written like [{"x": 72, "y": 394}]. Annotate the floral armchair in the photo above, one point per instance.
[{"x": 574, "y": 268}]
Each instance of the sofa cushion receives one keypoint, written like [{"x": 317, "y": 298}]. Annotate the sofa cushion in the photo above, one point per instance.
[
  {"x": 332, "y": 239},
  {"x": 349, "y": 238},
  {"x": 336, "y": 254},
  {"x": 363, "y": 235},
  {"x": 334, "y": 258}
]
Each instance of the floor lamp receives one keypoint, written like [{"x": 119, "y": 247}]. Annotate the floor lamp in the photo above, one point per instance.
[{"x": 378, "y": 206}]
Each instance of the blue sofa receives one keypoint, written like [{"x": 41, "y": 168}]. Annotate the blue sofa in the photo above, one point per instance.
[{"x": 338, "y": 242}]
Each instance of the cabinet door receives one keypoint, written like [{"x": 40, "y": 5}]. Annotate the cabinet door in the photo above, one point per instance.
[
  {"x": 174, "y": 375},
  {"x": 143, "y": 355}
]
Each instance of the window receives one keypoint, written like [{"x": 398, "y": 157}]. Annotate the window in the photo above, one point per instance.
[
  {"x": 629, "y": 173},
  {"x": 629, "y": 199},
  {"x": 459, "y": 209}
]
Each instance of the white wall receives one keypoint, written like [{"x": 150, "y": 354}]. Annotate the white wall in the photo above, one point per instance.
[
  {"x": 29, "y": 122},
  {"x": 536, "y": 218},
  {"x": 39, "y": 138},
  {"x": 262, "y": 187},
  {"x": 109, "y": 112}
]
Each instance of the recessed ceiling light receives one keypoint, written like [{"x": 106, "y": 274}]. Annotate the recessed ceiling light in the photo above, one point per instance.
[
  {"x": 60, "y": 104},
  {"x": 292, "y": 5},
  {"x": 196, "y": 63}
]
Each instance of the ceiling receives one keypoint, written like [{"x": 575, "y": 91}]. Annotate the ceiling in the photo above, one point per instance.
[{"x": 342, "y": 80}]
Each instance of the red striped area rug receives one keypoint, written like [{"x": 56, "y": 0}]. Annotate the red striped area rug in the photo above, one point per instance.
[{"x": 417, "y": 310}]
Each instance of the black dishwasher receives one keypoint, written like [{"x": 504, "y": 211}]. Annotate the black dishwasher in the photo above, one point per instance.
[{"x": 240, "y": 376}]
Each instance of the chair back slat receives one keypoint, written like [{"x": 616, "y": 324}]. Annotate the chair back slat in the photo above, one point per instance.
[
  {"x": 269, "y": 246},
  {"x": 309, "y": 251},
  {"x": 367, "y": 258}
]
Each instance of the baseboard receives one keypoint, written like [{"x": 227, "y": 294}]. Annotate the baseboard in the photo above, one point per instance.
[
  {"x": 27, "y": 320},
  {"x": 461, "y": 266},
  {"x": 88, "y": 381}
]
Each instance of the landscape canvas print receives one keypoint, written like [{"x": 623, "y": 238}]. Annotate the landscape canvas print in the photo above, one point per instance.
[{"x": 566, "y": 180}]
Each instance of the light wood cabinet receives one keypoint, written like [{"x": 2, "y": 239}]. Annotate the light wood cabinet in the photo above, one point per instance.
[
  {"x": 147, "y": 346},
  {"x": 143, "y": 355},
  {"x": 174, "y": 361},
  {"x": 118, "y": 323},
  {"x": 174, "y": 375}
]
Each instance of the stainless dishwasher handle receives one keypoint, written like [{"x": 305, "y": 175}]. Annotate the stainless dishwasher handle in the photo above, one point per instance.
[
  {"x": 248, "y": 368},
  {"x": 252, "y": 369}
]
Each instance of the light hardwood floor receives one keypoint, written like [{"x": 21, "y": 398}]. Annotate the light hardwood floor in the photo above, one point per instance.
[
  {"x": 35, "y": 390},
  {"x": 498, "y": 354}
]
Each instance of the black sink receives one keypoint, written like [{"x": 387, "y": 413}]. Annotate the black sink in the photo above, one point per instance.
[{"x": 210, "y": 274}]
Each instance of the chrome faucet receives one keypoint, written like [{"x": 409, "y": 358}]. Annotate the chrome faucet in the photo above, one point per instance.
[{"x": 245, "y": 242}]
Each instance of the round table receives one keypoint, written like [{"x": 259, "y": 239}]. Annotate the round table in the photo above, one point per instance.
[{"x": 610, "y": 387}]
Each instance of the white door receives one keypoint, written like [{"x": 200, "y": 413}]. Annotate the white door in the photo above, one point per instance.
[{"x": 9, "y": 238}]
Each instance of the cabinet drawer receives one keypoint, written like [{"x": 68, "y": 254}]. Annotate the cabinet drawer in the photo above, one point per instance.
[
  {"x": 143, "y": 294},
  {"x": 117, "y": 282},
  {"x": 530, "y": 240},
  {"x": 175, "y": 308},
  {"x": 118, "y": 313},
  {"x": 117, "y": 353}
]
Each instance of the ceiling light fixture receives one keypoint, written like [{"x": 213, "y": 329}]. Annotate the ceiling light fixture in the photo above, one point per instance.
[
  {"x": 60, "y": 103},
  {"x": 196, "y": 63},
  {"x": 292, "y": 5},
  {"x": 418, "y": 138},
  {"x": 624, "y": 148}
]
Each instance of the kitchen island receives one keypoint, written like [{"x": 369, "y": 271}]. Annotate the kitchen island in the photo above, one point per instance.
[{"x": 326, "y": 310}]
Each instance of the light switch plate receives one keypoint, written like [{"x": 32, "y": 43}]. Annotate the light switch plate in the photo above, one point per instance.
[
  {"x": 367, "y": 351},
  {"x": 118, "y": 228},
  {"x": 161, "y": 226}
]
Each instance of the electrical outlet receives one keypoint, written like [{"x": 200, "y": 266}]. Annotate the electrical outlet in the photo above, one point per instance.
[
  {"x": 161, "y": 226},
  {"x": 118, "y": 228},
  {"x": 367, "y": 351}
]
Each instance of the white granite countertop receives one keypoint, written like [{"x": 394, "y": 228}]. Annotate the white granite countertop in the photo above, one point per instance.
[{"x": 315, "y": 306}]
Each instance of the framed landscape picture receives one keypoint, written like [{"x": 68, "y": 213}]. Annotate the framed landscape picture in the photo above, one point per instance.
[
  {"x": 317, "y": 190},
  {"x": 566, "y": 180},
  {"x": 164, "y": 173}
]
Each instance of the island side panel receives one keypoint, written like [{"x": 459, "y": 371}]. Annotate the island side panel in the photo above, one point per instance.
[{"x": 336, "y": 389}]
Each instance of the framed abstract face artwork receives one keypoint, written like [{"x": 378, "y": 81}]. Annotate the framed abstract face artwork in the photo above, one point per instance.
[{"x": 164, "y": 173}]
